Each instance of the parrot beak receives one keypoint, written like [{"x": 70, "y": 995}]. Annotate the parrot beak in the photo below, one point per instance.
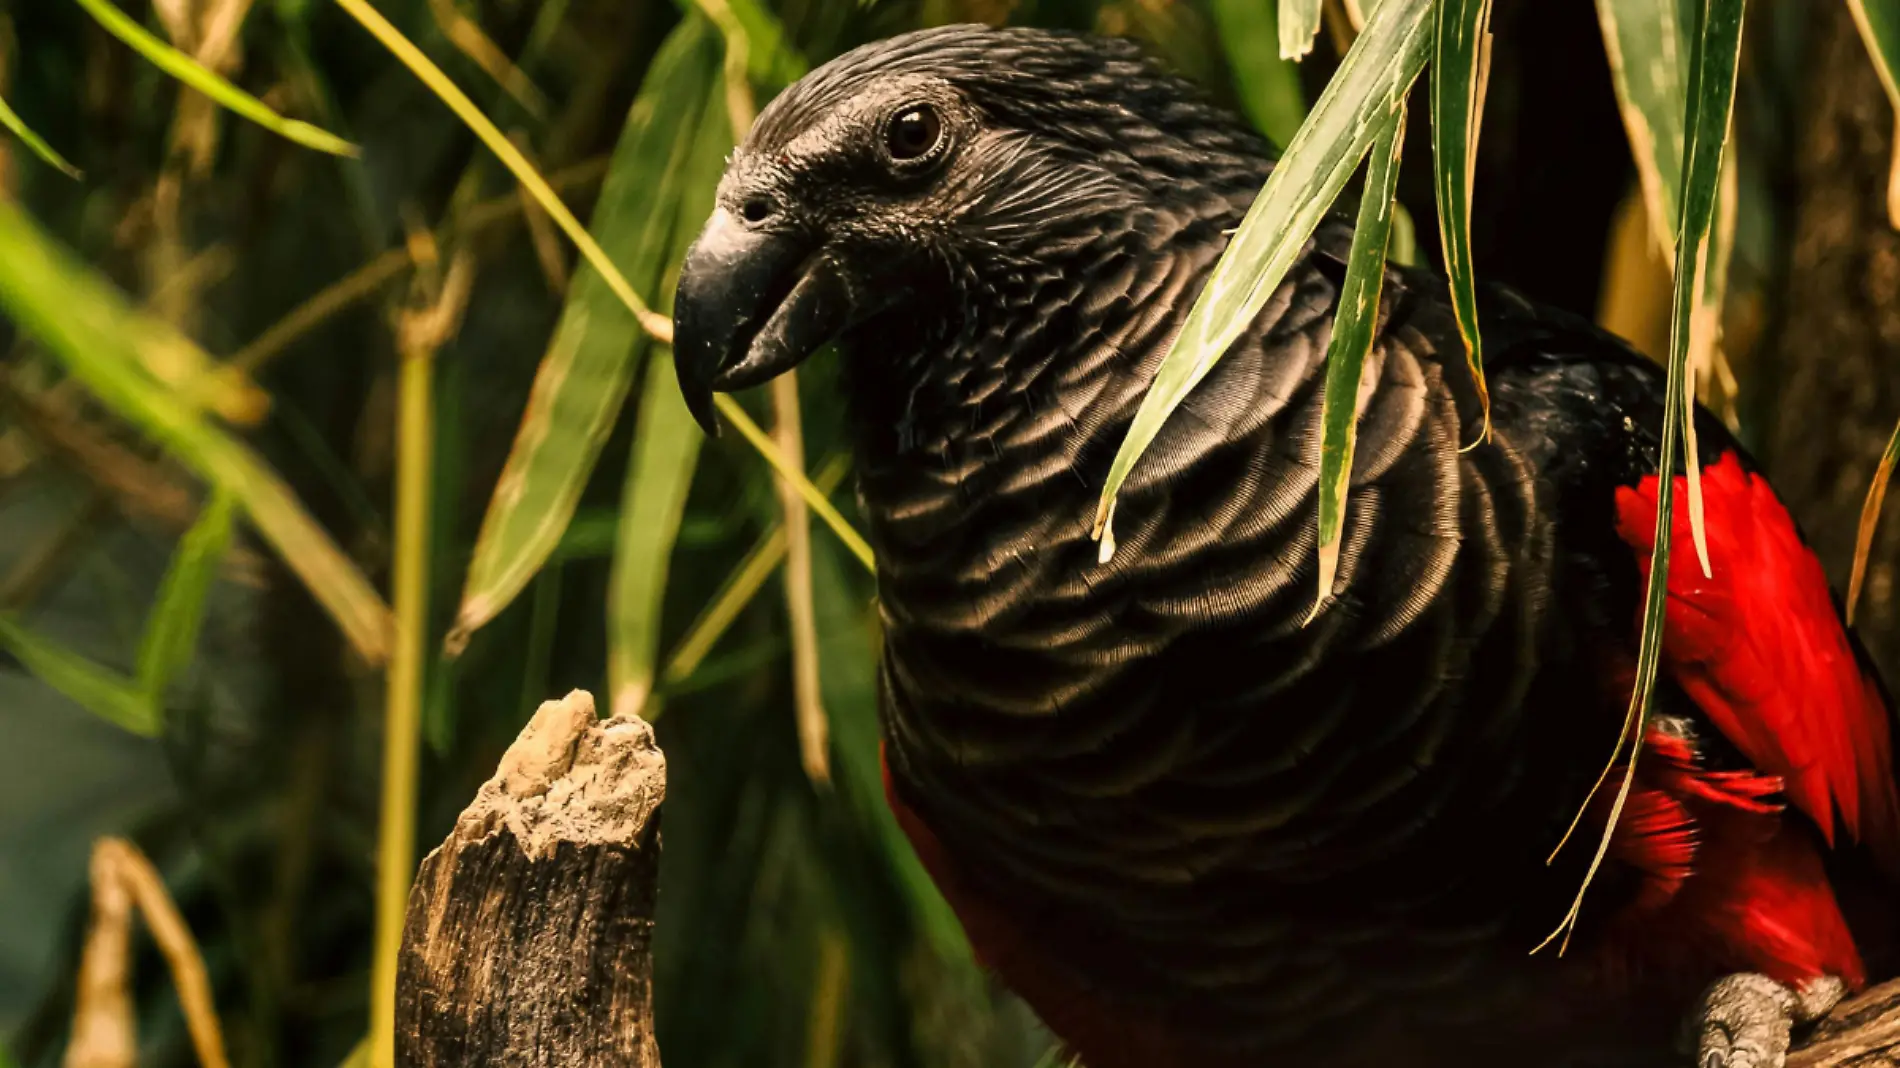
[{"x": 751, "y": 305}]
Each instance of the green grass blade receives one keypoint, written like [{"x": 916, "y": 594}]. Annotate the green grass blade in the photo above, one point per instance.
[
  {"x": 1461, "y": 64},
  {"x": 97, "y": 335},
  {"x": 582, "y": 381},
  {"x": 1299, "y": 25},
  {"x": 1353, "y": 330},
  {"x": 1710, "y": 102},
  {"x": 171, "y": 634},
  {"x": 12, "y": 121},
  {"x": 199, "y": 77},
  {"x": 1379, "y": 69},
  {"x": 1869, "y": 519},
  {"x": 771, "y": 61},
  {"x": 1269, "y": 86},
  {"x": 666, "y": 447},
  {"x": 1879, "y": 22},
  {"x": 1649, "y": 64},
  {"x": 105, "y": 694},
  {"x": 665, "y": 454}
]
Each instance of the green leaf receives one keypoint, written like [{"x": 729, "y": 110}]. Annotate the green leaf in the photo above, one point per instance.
[
  {"x": 666, "y": 446},
  {"x": 1879, "y": 22},
  {"x": 1649, "y": 65},
  {"x": 1710, "y": 102},
  {"x": 1353, "y": 330},
  {"x": 1269, "y": 86},
  {"x": 582, "y": 381},
  {"x": 106, "y": 694},
  {"x": 1869, "y": 519},
  {"x": 171, "y": 634},
  {"x": 1378, "y": 70},
  {"x": 1461, "y": 64},
  {"x": 202, "y": 78},
  {"x": 771, "y": 60},
  {"x": 12, "y": 121},
  {"x": 665, "y": 454},
  {"x": 1299, "y": 25},
  {"x": 90, "y": 327}
]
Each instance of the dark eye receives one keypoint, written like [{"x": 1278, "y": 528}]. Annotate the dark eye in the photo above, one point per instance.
[{"x": 913, "y": 133}]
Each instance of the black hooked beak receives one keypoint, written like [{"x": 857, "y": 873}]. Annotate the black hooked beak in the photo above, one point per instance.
[{"x": 752, "y": 304}]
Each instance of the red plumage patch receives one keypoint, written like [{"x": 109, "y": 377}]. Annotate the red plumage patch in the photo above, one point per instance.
[{"x": 1760, "y": 648}]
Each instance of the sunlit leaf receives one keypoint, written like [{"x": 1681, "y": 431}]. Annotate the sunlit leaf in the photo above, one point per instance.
[
  {"x": 1378, "y": 70},
  {"x": 199, "y": 77},
  {"x": 771, "y": 60},
  {"x": 1299, "y": 25},
  {"x": 582, "y": 381},
  {"x": 37, "y": 144},
  {"x": 666, "y": 448},
  {"x": 171, "y": 633},
  {"x": 665, "y": 453},
  {"x": 1869, "y": 519},
  {"x": 1879, "y": 22},
  {"x": 1649, "y": 64},
  {"x": 1353, "y": 329},
  {"x": 1461, "y": 65},
  {"x": 1710, "y": 102},
  {"x": 106, "y": 694},
  {"x": 89, "y": 326},
  {"x": 1269, "y": 86}
]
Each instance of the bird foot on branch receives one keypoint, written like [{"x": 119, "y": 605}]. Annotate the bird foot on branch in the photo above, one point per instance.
[{"x": 1744, "y": 1021}]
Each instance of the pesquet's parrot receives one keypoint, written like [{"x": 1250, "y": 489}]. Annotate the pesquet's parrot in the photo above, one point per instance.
[{"x": 1189, "y": 826}]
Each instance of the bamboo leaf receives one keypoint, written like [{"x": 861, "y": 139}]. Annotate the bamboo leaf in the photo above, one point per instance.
[
  {"x": 106, "y": 694},
  {"x": 12, "y": 121},
  {"x": 202, "y": 78},
  {"x": 771, "y": 60},
  {"x": 90, "y": 327},
  {"x": 1711, "y": 100},
  {"x": 665, "y": 453},
  {"x": 1378, "y": 70},
  {"x": 1461, "y": 67},
  {"x": 1353, "y": 331},
  {"x": 1269, "y": 86},
  {"x": 666, "y": 448},
  {"x": 582, "y": 381},
  {"x": 171, "y": 633},
  {"x": 1649, "y": 66},
  {"x": 1879, "y": 22},
  {"x": 1869, "y": 519},
  {"x": 1299, "y": 25}
]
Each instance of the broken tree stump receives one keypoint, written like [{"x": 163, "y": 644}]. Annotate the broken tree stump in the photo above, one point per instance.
[
  {"x": 528, "y": 941},
  {"x": 1863, "y": 1032}
]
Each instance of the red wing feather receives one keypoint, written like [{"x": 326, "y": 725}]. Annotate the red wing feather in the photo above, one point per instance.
[{"x": 1761, "y": 649}]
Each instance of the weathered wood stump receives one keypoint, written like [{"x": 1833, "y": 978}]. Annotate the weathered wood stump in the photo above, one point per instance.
[
  {"x": 529, "y": 936},
  {"x": 1863, "y": 1032}
]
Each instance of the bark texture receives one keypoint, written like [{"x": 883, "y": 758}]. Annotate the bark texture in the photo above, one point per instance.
[
  {"x": 1863, "y": 1032},
  {"x": 529, "y": 936},
  {"x": 1834, "y": 363}
]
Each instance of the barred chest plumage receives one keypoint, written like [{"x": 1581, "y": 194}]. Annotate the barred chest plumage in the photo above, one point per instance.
[{"x": 1164, "y": 740}]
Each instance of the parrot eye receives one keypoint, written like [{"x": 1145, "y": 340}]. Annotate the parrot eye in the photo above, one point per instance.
[{"x": 913, "y": 134}]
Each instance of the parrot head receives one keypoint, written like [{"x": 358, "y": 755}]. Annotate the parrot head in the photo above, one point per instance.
[{"x": 922, "y": 187}]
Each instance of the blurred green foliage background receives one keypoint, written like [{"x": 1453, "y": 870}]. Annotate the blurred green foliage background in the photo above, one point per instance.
[{"x": 796, "y": 929}]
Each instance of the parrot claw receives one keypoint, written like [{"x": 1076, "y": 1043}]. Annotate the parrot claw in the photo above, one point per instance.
[{"x": 1745, "y": 1020}]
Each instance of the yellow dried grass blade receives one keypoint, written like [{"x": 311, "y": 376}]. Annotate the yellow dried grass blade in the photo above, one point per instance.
[{"x": 203, "y": 79}]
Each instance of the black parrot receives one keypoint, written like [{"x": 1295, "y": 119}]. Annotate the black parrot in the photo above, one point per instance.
[{"x": 1189, "y": 826}]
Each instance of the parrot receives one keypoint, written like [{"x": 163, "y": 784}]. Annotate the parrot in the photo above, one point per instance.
[{"x": 1192, "y": 809}]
